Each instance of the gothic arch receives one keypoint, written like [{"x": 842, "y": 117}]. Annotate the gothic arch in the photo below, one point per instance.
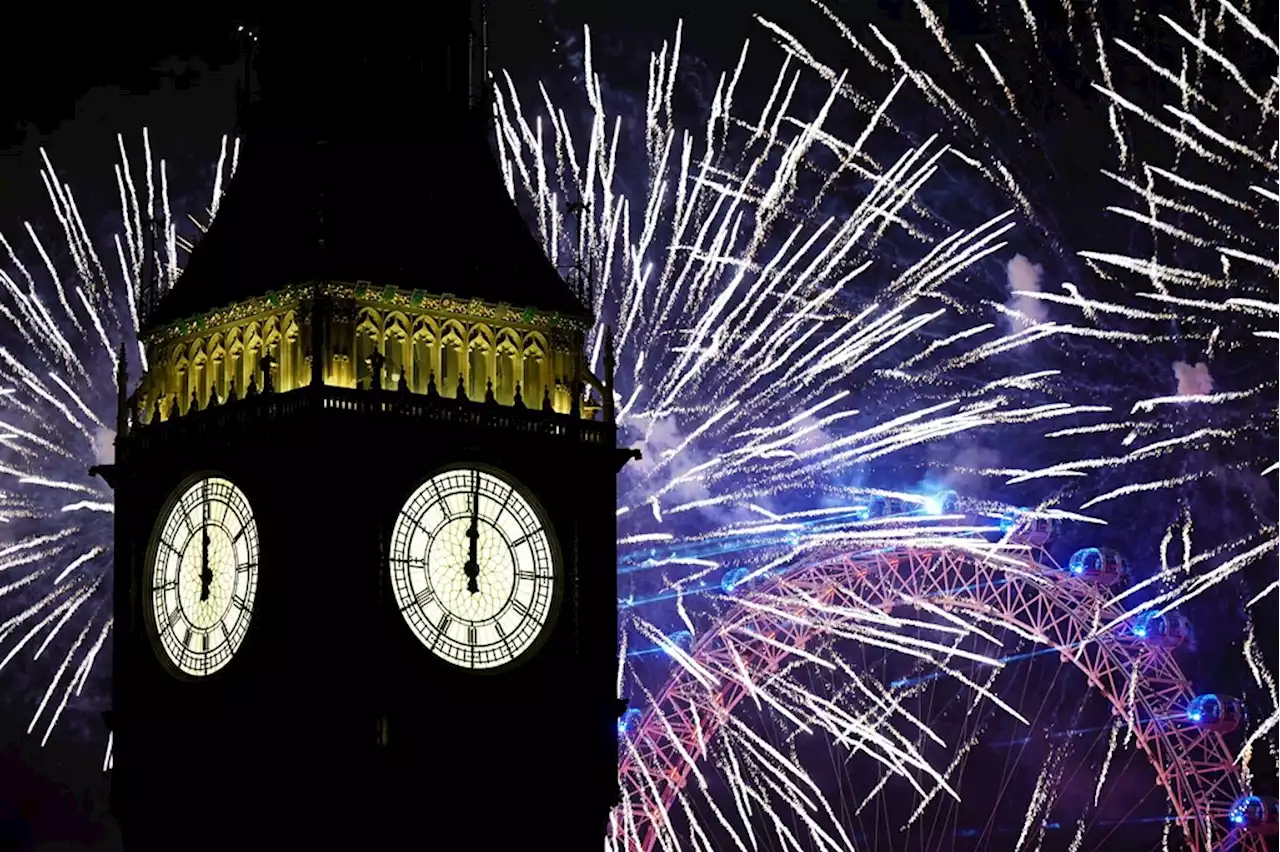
[
  {"x": 425, "y": 335},
  {"x": 506, "y": 365},
  {"x": 199, "y": 376},
  {"x": 398, "y": 346},
  {"x": 176, "y": 386},
  {"x": 479, "y": 361},
  {"x": 292, "y": 364},
  {"x": 235, "y": 364},
  {"x": 534, "y": 369},
  {"x": 252, "y": 352},
  {"x": 368, "y": 338},
  {"x": 452, "y": 340},
  {"x": 271, "y": 334},
  {"x": 217, "y": 366}
]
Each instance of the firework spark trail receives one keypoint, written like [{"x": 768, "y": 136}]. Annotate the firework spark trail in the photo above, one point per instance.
[
  {"x": 56, "y": 399},
  {"x": 1212, "y": 212},
  {"x": 1196, "y": 150},
  {"x": 745, "y": 315},
  {"x": 737, "y": 340}
]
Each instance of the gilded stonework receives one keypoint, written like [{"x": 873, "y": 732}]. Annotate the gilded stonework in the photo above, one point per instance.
[
  {"x": 446, "y": 303},
  {"x": 368, "y": 336}
]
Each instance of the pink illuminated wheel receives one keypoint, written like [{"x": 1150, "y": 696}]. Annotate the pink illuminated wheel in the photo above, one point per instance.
[{"x": 1023, "y": 591}]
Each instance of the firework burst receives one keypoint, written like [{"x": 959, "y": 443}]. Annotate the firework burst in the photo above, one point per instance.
[
  {"x": 769, "y": 359},
  {"x": 58, "y": 401},
  {"x": 1173, "y": 306},
  {"x": 1204, "y": 190}
]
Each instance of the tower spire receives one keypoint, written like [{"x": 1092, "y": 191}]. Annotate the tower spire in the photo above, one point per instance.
[
  {"x": 122, "y": 394},
  {"x": 606, "y": 402}
]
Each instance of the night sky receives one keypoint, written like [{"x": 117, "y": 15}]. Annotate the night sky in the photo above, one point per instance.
[{"x": 75, "y": 80}]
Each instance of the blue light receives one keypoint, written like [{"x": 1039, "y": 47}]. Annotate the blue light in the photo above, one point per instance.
[
  {"x": 1140, "y": 631},
  {"x": 1248, "y": 810},
  {"x": 1195, "y": 716},
  {"x": 629, "y": 721},
  {"x": 932, "y": 506},
  {"x": 732, "y": 579},
  {"x": 682, "y": 639}
]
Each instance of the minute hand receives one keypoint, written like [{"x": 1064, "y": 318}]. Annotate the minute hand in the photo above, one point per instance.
[{"x": 473, "y": 533}]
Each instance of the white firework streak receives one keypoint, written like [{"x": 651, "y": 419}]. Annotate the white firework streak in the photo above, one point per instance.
[
  {"x": 57, "y": 399},
  {"x": 738, "y": 334},
  {"x": 737, "y": 337},
  {"x": 1198, "y": 154},
  {"x": 1208, "y": 193}
]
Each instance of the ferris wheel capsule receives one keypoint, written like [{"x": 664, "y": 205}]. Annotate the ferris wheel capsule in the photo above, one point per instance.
[
  {"x": 1167, "y": 630},
  {"x": 1255, "y": 815},
  {"x": 1220, "y": 714},
  {"x": 1037, "y": 531},
  {"x": 943, "y": 503},
  {"x": 682, "y": 639},
  {"x": 629, "y": 722},
  {"x": 732, "y": 579},
  {"x": 1099, "y": 565}
]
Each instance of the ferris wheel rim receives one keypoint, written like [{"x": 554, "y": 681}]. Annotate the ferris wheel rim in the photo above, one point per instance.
[{"x": 1199, "y": 816}]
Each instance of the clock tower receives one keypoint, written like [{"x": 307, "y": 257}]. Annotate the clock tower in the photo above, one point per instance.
[{"x": 365, "y": 485}]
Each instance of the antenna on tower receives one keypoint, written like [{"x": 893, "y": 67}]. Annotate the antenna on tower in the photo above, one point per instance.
[
  {"x": 480, "y": 94},
  {"x": 248, "y": 38},
  {"x": 150, "y": 285},
  {"x": 582, "y": 278}
]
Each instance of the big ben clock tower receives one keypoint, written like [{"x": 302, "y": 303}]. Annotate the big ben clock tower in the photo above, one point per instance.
[{"x": 365, "y": 585}]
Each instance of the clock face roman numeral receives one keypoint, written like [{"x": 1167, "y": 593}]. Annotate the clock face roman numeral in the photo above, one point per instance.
[
  {"x": 200, "y": 637},
  {"x": 437, "y": 499},
  {"x": 470, "y": 516}
]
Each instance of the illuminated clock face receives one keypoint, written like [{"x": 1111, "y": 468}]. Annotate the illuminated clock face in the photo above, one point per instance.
[
  {"x": 204, "y": 574},
  {"x": 472, "y": 569}
]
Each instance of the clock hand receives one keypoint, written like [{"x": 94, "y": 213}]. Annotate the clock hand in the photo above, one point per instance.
[
  {"x": 472, "y": 568},
  {"x": 206, "y": 576}
]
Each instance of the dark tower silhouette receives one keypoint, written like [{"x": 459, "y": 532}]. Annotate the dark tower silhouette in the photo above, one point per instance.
[{"x": 365, "y": 585}]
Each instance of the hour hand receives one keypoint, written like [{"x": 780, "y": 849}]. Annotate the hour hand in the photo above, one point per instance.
[
  {"x": 472, "y": 568},
  {"x": 206, "y": 576}
]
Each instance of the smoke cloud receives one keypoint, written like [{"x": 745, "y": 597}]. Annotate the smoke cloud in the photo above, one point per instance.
[
  {"x": 1193, "y": 380},
  {"x": 104, "y": 446},
  {"x": 1026, "y": 276}
]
